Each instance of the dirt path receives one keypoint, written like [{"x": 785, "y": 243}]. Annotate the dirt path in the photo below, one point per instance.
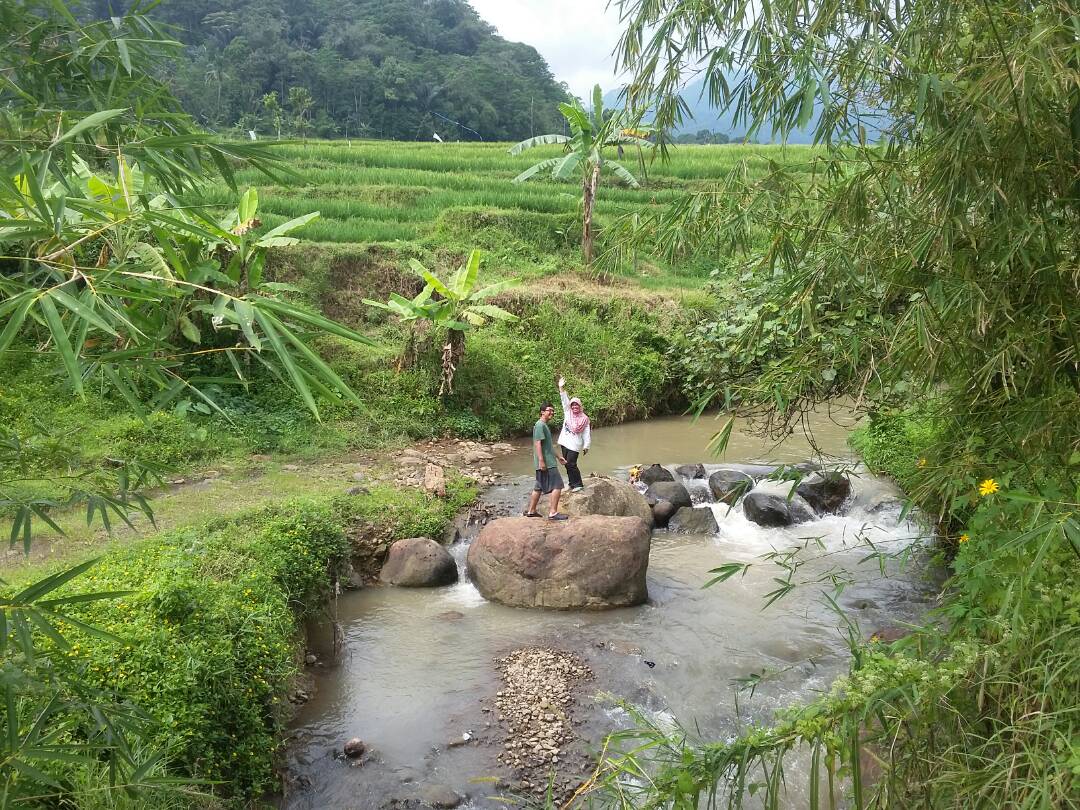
[{"x": 228, "y": 489}]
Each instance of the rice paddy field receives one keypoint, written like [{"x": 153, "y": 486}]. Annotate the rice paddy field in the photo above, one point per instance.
[{"x": 429, "y": 193}]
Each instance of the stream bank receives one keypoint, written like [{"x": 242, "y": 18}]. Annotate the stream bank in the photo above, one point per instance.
[{"x": 418, "y": 677}]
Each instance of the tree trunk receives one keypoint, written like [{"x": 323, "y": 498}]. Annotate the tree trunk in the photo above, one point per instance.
[
  {"x": 452, "y": 353},
  {"x": 592, "y": 180}
]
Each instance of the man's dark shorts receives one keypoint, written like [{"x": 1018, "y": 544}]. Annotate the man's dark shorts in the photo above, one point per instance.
[{"x": 547, "y": 480}]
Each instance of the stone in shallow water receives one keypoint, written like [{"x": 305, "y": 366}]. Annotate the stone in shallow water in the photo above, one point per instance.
[
  {"x": 662, "y": 513},
  {"x": 654, "y": 473},
  {"x": 594, "y": 563},
  {"x": 729, "y": 485},
  {"x": 691, "y": 470},
  {"x": 767, "y": 510},
  {"x": 671, "y": 491},
  {"x": 825, "y": 492},
  {"x": 693, "y": 521},
  {"x": 606, "y": 496},
  {"x": 772, "y": 504},
  {"x": 439, "y": 796},
  {"x": 418, "y": 562}
]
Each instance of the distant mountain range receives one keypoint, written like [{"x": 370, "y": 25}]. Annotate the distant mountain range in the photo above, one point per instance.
[{"x": 706, "y": 117}]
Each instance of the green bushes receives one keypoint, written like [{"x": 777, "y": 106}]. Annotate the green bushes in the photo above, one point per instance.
[
  {"x": 164, "y": 439},
  {"x": 398, "y": 513},
  {"x": 208, "y": 633},
  {"x": 611, "y": 354},
  {"x": 896, "y": 442},
  {"x": 209, "y": 622}
]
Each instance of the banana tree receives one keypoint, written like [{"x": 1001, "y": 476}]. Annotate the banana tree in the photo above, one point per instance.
[
  {"x": 458, "y": 308},
  {"x": 590, "y": 132}
]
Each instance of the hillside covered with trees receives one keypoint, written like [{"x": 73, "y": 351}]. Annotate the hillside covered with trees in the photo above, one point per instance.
[{"x": 372, "y": 68}]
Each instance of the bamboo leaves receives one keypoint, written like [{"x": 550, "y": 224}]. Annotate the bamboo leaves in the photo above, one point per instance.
[
  {"x": 92, "y": 313},
  {"x": 43, "y": 704}
]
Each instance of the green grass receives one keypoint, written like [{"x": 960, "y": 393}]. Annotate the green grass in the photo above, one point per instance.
[{"x": 380, "y": 191}]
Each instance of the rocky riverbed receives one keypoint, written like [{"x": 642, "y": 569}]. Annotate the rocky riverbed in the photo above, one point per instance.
[
  {"x": 537, "y": 711},
  {"x": 463, "y": 700}
]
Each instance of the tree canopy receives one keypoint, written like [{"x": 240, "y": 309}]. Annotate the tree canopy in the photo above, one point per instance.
[
  {"x": 925, "y": 258},
  {"x": 377, "y": 68}
]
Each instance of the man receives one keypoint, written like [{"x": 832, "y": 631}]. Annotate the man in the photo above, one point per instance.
[{"x": 546, "y": 461}]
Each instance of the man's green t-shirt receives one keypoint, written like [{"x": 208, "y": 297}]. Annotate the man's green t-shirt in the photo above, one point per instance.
[{"x": 542, "y": 434}]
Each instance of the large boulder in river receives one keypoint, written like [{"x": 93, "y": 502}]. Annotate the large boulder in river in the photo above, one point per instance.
[
  {"x": 691, "y": 471},
  {"x": 594, "y": 563},
  {"x": 654, "y": 473},
  {"x": 671, "y": 491},
  {"x": 825, "y": 492},
  {"x": 662, "y": 512},
  {"x": 605, "y": 496},
  {"x": 729, "y": 485},
  {"x": 771, "y": 503},
  {"x": 694, "y": 521},
  {"x": 418, "y": 562}
]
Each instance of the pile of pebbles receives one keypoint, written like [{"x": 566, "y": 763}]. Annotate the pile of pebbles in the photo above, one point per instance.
[{"x": 534, "y": 707}]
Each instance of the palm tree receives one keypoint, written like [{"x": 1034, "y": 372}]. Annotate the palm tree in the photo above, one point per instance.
[{"x": 590, "y": 132}]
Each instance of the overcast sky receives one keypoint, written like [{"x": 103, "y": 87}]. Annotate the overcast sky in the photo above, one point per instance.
[{"x": 576, "y": 37}]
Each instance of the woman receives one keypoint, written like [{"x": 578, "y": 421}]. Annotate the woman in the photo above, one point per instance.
[{"x": 575, "y": 436}]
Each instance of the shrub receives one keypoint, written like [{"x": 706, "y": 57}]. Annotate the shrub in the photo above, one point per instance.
[
  {"x": 209, "y": 630},
  {"x": 165, "y": 439},
  {"x": 400, "y": 513},
  {"x": 896, "y": 442},
  {"x": 210, "y": 621}
]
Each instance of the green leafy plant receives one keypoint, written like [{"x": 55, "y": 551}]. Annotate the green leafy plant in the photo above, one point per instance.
[
  {"x": 54, "y": 719},
  {"x": 38, "y": 456},
  {"x": 924, "y": 255},
  {"x": 459, "y": 307},
  {"x": 590, "y": 132},
  {"x": 103, "y": 265}
]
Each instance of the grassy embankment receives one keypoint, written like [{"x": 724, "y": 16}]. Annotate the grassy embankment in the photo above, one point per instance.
[{"x": 382, "y": 203}]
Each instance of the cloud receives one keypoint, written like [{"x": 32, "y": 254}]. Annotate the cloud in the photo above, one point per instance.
[{"x": 576, "y": 37}]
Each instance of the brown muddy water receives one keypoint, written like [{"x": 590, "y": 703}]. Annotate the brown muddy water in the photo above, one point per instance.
[{"x": 416, "y": 668}]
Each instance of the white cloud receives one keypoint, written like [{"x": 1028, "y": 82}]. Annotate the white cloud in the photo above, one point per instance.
[{"x": 576, "y": 37}]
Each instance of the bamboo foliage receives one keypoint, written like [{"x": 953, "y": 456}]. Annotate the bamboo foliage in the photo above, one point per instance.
[
  {"x": 927, "y": 251},
  {"x": 102, "y": 264}
]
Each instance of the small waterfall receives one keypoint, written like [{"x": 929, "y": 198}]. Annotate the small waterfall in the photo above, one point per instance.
[{"x": 462, "y": 593}]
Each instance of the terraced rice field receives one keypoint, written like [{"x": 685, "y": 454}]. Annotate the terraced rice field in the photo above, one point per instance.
[{"x": 389, "y": 191}]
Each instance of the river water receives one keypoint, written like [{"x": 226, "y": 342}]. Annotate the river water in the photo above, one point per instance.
[{"x": 416, "y": 669}]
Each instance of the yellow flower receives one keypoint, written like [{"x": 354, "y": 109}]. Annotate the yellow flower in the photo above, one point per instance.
[
  {"x": 988, "y": 487},
  {"x": 921, "y": 463},
  {"x": 964, "y": 538}
]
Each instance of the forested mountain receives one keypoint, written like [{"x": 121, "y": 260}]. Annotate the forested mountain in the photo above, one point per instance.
[{"x": 375, "y": 68}]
